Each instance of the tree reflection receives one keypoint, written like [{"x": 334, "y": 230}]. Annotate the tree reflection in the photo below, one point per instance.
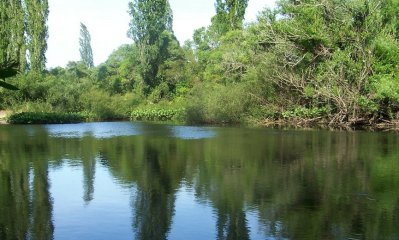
[
  {"x": 345, "y": 185},
  {"x": 154, "y": 200},
  {"x": 14, "y": 202},
  {"x": 89, "y": 171},
  {"x": 232, "y": 224},
  {"x": 154, "y": 166},
  {"x": 42, "y": 226},
  {"x": 25, "y": 208}
]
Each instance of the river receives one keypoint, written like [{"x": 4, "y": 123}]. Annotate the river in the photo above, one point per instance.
[{"x": 124, "y": 180}]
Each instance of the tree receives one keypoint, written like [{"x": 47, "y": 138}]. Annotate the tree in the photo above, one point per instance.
[
  {"x": 12, "y": 32},
  {"x": 37, "y": 31},
  {"x": 229, "y": 15},
  {"x": 86, "y": 53},
  {"x": 120, "y": 73},
  {"x": 150, "y": 19}
]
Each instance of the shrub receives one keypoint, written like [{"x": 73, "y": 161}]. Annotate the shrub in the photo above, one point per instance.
[
  {"x": 44, "y": 118},
  {"x": 103, "y": 106},
  {"x": 157, "y": 114},
  {"x": 302, "y": 112},
  {"x": 218, "y": 104}
]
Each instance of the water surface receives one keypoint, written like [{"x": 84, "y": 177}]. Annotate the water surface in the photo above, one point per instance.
[{"x": 126, "y": 180}]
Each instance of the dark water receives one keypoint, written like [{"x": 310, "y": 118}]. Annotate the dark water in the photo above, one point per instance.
[{"x": 148, "y": 181}]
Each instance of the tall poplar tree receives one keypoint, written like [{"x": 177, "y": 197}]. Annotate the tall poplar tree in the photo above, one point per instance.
[
  {"x": 86, "y": 53},
  {"x": 12, "y": 32},
  {"x": 151, "y": 21},
  {"x": 229, "y": 15},
  {"x": 37, "y": 31},
  {"x": 12, "y": 50},
  {"x": 4, "y": 31}
]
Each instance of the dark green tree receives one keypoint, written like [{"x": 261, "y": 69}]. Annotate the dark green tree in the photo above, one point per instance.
[
  {"x": 150, "y": 20},
  {"x": 120, "y": 73},
  {"x": 7, "y": 70},
  {"x": 86, "y": 53}
]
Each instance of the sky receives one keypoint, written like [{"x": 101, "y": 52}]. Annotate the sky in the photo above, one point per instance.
[{"x": 108, "y": 23}]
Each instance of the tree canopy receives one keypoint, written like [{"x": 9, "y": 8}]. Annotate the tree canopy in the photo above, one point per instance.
[
  {"x": 151, "y": 29},
  {"x": 229, "y": 15},
  {"x": 37, "y": 14},
  {"x": 331, "y": 62},
  {"x": 23, "y": 31}
]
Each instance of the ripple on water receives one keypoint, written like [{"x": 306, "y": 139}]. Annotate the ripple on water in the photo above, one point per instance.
[
  {"x": 120, "y": 129},
  {"x": 187, "y": 132},
  {"x": 97, "y": 130}
]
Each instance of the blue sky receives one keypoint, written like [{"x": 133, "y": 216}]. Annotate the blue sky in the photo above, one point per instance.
[{"x": 108, "y": 22}]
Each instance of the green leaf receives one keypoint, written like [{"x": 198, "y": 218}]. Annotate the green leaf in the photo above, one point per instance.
[
  {"x": 8, "y": 86},
  {"x": 8, "y": 69}
]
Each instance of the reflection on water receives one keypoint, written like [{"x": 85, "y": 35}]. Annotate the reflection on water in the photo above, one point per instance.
[
  {"x": 96, "y": 130},
  {"x": 119, "y": 129},
  {"x": 185, "y": 132},
  {"x": 151, "y": 181}
]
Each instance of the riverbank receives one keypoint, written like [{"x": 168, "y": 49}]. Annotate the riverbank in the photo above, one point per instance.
[
  {"x": 54, "y": 118},
  {"x": 316, "y": 123},
  {"x": 43, "y": 118},
  {"x": 178, "y": 117}
]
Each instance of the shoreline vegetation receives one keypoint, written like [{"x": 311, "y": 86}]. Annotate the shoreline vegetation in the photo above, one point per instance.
[
  {"x": 179, "y": 116},
  {"x": 330, "y": 64}
]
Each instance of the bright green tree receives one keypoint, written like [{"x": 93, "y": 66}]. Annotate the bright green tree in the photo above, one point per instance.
[
  {"x": 12, "y": 31},
  {"x": 150, "y": 20},
  {"x": 86, "y": 53},
  {"x": 12, "y": 39}
]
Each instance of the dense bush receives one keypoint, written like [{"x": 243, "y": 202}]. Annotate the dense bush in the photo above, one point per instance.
[
  {"x": 305, "y": 113},
  {"x": 45, "y": 118},
  {"x": 156, "y": 114},
  {"x": 218, "y": 104},
  {"x": 102, "y": 105},
  {"x": 333, "y": 60}
]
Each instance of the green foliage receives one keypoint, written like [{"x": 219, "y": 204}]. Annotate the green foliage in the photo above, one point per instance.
[
  {"x": 33, "y": 106},
  {"x": 151, "y": 29},
  {"x": 333, "y": 60},
  {"x": 337, "y": 55},
  {"x": 157, "y": 114},
  {"x": 8, "y": 70},
  {"x": 305, "y": 113},
  {"x": 387, "y": 87},
  {"x": 229, "y": 15},
  {"x": 8, "y": 86},
  {"x": 44, "y": 118},
  {"x": 217, "y": 104},
  {"x": 23, "y": 29},
  {"x": 12, "y": 30},
  {"x": 37, "y": 14},
  {"x": 231, "y": 60},
  {"x": 159, "y": 93},
  {"x": 120, "y": 73},
  {"x": 102, "y": 105}
]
